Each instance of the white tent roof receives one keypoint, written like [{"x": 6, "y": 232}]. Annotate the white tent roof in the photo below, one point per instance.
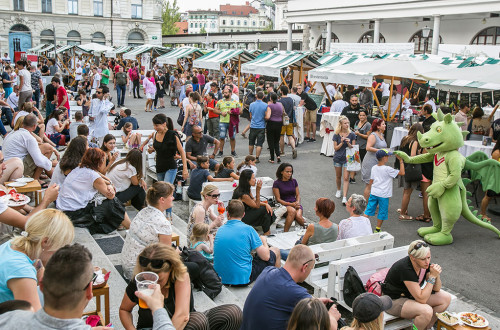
[
  {"x": 363, "y": 73},
  {"x": 213, "y": 60},
  {"x": 470, "y": 79},
  {"x": 271, "y": 63},
  {"x": 178, "y": 53},
  {"x": 94, "y": 47}
]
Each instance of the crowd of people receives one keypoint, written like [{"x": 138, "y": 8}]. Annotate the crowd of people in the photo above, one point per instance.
[{"x": 90, "y": 185}]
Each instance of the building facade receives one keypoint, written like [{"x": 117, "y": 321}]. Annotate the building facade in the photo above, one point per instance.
[
  {"x": 203, "y": 20},
  {"x": 243, "y": 18},
  {"x": 27, "y": 23},
  {"x": 393, "y": 21}
]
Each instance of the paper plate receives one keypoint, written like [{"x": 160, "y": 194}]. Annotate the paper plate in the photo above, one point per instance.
[
  {"x": 470, "y": 324},
  {"x": 12, "y": 203},
  {"x": 16, "y": 184},
  {"x": 26, "y": 180}
]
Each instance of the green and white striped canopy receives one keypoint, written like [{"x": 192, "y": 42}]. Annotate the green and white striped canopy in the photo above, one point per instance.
[
  {"x": 133, "y": 53},
  {"x": 34, "y": 50},
  {"x": 213, "y": 60},
  {"x": 77, "y": 48},
  {"x": 271, "y": 63},
  {"x": 117, "y": 51},
  {"x": 177, "y": 53},
  {"x": 45, "y": 49}
]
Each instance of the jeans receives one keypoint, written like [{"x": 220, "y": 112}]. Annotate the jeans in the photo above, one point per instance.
[
  {"x": 136, "y": 87},
  {"x": 8, "y": 114},
  {"x": 135, "y": 194},
  {"x": 168, "y": 176},
  {"x": 49, "y": 108},
  {"x": 273, "y": 137},
  {"x": 120, "y": 93},
  {"x": 36, "y": 98},
  {"x": 3, "y": 131}
]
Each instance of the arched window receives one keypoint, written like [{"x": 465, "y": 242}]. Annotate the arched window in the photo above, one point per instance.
[
  {"x": 99, "y": 38},
  {"x": 321, "y": 44},
  {"x": 47, "y": 37},
  {"x": 74, "y": 38},
  {"x": 135, "y": 39},
  {"x": 422, "y": 43},
  {"x": 367, "y": 38},
  {"x": 488, "y": 36},
  {"x": 19, "y": 28}
]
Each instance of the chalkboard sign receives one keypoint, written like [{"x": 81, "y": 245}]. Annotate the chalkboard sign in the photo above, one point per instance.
[
  {"x": 422, "y": 93},
  {"x": 486, "y": 99},
  {"x": 318, "y": 98},
  {"x": 442, "y": 97},
  {"x": 496, "y": 97},
  {"x": 465, "y": 99},
  {"x": 433, "y": 93},
  {"x": 453, "y": 98},
  {"x": 475, "y": 99}
]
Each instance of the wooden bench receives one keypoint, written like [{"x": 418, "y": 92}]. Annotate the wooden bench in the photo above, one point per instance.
[{"x": 365, "y": 265}]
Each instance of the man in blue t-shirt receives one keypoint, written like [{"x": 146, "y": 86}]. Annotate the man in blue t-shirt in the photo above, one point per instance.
[
  {"x": 233, "y": 245},
  {"x": 257, "y": 125},
  {"x": 274, "y": 295}
]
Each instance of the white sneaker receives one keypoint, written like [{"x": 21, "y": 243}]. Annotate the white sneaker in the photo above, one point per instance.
[
  {"x": 338, "y": 194},
  {"x": 344, "y": 200}
]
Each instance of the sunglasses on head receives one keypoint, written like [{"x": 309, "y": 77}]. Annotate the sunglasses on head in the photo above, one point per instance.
[
  {"x": 155, "y": 263},
  {"x": 419, "y": 245}
]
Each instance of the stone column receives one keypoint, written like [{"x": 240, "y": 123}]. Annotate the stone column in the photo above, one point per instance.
[
  {"x": 376, "y": 32},
  {"x": 435, "y": 34},
  {"x": 306, "y": 35},
  {"x": 328, "y": 36},
  {"x": 289, "y": 39}
]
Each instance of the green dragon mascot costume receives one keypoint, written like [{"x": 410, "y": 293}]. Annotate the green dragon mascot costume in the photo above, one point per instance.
[{"x": 447, "y": 194}]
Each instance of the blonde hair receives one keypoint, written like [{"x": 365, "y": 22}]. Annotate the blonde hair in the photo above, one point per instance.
[
  {"x": 19, "y": 123},
  {"x": 419, "y": 253},
  {"x": 208, "y": 189},
  {"x": 164, "y": 252},
  {"x": 338, "y": 96},
  {"x": 51, "y": 224},
  {"x": 199, "y": 233},
  {"x": 338, "y": 129},
  {"x": 377, "y": 324}
]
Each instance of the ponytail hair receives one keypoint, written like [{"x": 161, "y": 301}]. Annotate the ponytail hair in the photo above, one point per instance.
[
  {"x": 50, "y": 224},
  {"x": 248, "y": 159},
  {"x": 225, "y": 162},
  {"x": 158, "y": 190}
]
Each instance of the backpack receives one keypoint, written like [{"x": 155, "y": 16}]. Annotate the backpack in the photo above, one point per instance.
[
  {"x": 134, "y": 75},
  {"x": 374, "y": 284},
  {"x": 353, "y": 286},
  {"x": 208, "y": 280}
]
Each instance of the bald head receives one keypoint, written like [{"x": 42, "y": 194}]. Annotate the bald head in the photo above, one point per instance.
[{"x": 300, "y": 262}]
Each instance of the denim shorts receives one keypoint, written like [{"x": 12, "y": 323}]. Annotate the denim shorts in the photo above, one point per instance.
[
  {"x": 339, "y": 165},
  {"x": 223, "y": 127}
]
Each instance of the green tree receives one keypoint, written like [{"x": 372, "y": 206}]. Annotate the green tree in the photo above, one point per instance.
[
  {"x": 202, "y": 30},
  {"x": 170, "y": 16}
]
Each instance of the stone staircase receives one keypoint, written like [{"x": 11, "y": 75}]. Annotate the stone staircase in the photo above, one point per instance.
[{"x": 111, "y": 262}]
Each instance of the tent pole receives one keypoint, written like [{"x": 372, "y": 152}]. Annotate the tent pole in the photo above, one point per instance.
[
  {"x": 326, "y": 92},
  {"x": 390, "y": 99},
  {"x": 300, "y": 74},
  {"x": 403, "y": 98},
  {"x": 239, "y": 69}
]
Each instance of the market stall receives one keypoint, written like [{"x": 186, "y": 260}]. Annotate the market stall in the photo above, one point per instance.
[
  {"x": 144, "y": 54},
  {"x": 177, "y": 54}
]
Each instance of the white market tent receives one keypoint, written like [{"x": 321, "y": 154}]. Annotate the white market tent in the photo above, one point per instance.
[
  {"x": 215, "y": 59},
  {"x": 470, "y": 79},
  {"x": 271, "y": 63},
  {"x": 172, "y": 57},
  {"x": 117, "y": 51},
  {"x": 96, "y": 48},
  {"x": 139, "y": 50}
]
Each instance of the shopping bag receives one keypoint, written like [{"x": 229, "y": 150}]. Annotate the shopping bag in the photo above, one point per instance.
[{"x": 353, "y": 159}]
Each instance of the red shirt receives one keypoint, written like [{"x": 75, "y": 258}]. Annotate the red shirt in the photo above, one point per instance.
[
  {"x": 212, "y": 114},
  {"x": 61, "y": 92},
  {"x": 117, "y": 68}
]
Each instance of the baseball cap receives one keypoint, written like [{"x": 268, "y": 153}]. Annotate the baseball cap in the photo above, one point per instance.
[
  {"x": 382, "y": 153},
  {"x": 368, "y": 306}
]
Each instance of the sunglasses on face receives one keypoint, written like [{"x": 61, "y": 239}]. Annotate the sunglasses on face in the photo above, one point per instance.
[
  {"x": 97, "y": 92},
  {"x": 214, "y": 195},
  {"x": 94, "y": 276},
  {"x": 155, "y": 263},
  {"x": 316, "y": 257}
]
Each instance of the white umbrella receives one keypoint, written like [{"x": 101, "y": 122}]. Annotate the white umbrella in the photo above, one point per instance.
[{"x": 96, "y": 47}]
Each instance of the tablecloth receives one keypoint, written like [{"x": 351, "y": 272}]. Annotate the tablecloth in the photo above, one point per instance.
[
  {"x": 328, "y": 124},
  {"x": 487, "y": 112},
  {"x": 299, "y": 129},
  {"x": 398, "y": 134},
  {"x": 470, "y": 147}
]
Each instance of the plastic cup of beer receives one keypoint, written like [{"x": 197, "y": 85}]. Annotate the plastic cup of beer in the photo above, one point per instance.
[{"x": 145, "y": 282}]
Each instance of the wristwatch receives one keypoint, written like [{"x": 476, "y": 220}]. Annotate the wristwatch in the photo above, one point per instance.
[{"x": 431, "y": 280}]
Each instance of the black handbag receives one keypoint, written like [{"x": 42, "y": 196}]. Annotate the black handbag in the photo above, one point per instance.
[
  {"x": 180, "y": 119},
  {"x": 413, "y": 172}
]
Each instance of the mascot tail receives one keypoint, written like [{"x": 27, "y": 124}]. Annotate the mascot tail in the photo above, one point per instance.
[{"x": 471, "y": 216}]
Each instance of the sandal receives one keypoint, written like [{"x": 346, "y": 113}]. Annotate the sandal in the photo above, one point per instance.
[
  {"x": 44, "y": 185},
  {"x": 271, "y": 161},
  {"x": 244, "y": 135},
  {"x": 405, "y": 217},
  {"x": 423, "y": 218},
  {"x": 279, "y": 160}
]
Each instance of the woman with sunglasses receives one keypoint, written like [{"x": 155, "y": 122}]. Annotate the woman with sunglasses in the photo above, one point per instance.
[
  {"x": 203, "y": 212},
  {"x": 414, "y": 285},
  {"x": 149, "y": 226},
  {"x": 176, "y": 288}
]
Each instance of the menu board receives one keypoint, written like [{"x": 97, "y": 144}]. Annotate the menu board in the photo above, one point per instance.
[
  {"x": 496, "y": 97},
  {"x": 486, "y": 99},
  {"x": 453, "y": 98},
  {"x": 465, "y": 99},
  {"x": 475, "y": 99},
  {"x": 442, "y": 97},
  {"x": 433, "y": 93}
]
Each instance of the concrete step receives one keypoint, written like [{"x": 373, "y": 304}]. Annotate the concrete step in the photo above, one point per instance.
[
  {"x": 202, "y": 302},
  {"x": 226, "y": 296}
]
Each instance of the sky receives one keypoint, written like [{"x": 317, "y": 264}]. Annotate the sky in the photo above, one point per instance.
[{"x": 185, "y": 5}]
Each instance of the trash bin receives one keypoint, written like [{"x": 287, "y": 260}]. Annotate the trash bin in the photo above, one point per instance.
[{"x": 389, "y": 130}]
